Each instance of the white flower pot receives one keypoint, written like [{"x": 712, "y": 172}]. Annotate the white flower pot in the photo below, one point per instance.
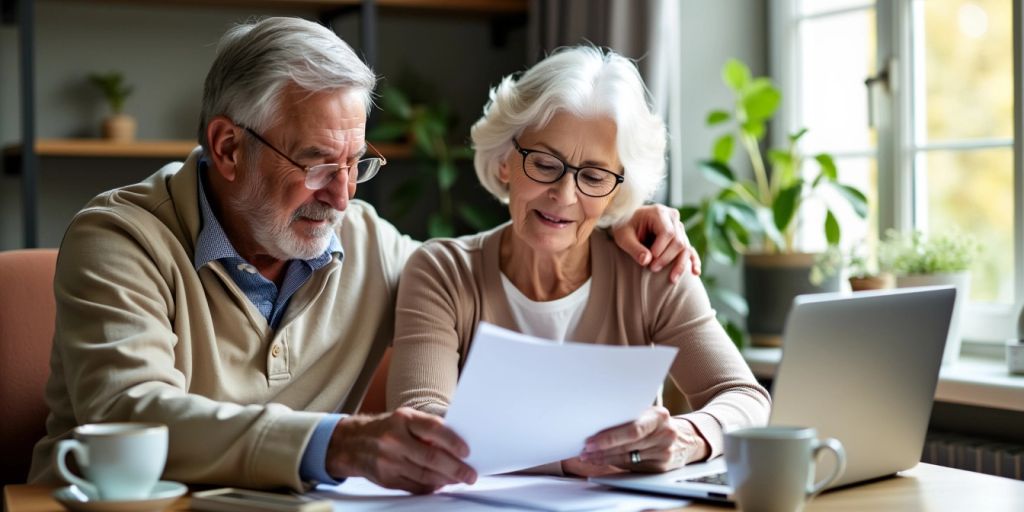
[{"x": 962, "y": 282}]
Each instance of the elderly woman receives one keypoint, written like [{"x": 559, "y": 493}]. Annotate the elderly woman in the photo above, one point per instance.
[{"x": 573, "y": 147}]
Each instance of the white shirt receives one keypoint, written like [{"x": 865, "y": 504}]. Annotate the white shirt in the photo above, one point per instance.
[{"x": 554, "y": 319}]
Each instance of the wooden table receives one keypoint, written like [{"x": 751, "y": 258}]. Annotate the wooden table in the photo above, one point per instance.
[{"x": 924, "y": 488}]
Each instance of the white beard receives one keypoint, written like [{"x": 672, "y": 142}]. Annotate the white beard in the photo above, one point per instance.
[{"x": 275, "y": 234}]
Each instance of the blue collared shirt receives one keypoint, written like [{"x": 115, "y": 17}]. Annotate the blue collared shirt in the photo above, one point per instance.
[{"x": 213, "y": 245}]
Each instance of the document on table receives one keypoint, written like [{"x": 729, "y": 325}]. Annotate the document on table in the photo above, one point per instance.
[
  {"x": 501, "y": 493},
  {"x": 523, "y": 401}
]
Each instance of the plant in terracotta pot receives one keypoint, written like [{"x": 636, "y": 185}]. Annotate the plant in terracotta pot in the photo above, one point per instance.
[
  {"x": 757, "y": 218},
  {"x": 118, "y": 126},
  {"x": 863, "y": 272},
  {"x": 917, "y": 259}
]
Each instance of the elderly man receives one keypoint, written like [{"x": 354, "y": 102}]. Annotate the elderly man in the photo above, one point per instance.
[{"x": 244, "y": 298}]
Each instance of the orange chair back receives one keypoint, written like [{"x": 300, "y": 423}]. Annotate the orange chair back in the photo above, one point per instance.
[{"x": 27, "y": 313}]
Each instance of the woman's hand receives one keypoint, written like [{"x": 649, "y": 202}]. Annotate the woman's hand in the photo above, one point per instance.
[
  {"x": 656, "y": 238},
  {"x": 654, "y": 442}
]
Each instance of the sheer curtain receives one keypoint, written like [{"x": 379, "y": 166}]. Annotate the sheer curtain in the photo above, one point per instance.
[{"x": 644, "y": 30}]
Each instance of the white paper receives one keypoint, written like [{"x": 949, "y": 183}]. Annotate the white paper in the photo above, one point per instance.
[
  {"x": 556, "y": 494},
  {"x": 506, "y": 493},
  {"x": 523, "y": 401}
]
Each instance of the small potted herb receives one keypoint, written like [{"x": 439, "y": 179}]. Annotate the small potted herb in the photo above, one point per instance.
[
  {"x": 917, "y": 259},
  {"x": 117, "y": 126}
]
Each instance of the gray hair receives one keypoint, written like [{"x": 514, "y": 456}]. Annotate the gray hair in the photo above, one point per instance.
[
  {"x": 256, "y": 60},
  {"x": 586, "y": 82}
]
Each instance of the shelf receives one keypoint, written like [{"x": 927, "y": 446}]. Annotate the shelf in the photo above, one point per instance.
[
  {"x": 178, "y": 149},
  {"x": 108, "y": 149},
  {"x": 479, "y": 6}
]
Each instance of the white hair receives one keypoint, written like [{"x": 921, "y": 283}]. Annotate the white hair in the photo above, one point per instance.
[
  {"x": 586, "y": 82},
  {"x": 256, "y": 60}
]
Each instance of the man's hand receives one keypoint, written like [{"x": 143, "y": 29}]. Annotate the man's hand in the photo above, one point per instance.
[
  {"x": 659, "y": 226},
  {"x": 660, "y": 442},
  {"x": 406, "y": 449}
]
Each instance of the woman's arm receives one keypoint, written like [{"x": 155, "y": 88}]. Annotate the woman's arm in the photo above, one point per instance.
[
  {"x": 708, "y": 369},
  {"x": 425, "y": 362}
]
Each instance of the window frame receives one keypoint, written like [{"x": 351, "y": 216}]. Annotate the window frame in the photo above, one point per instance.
[{"x": 984, "y": 325}]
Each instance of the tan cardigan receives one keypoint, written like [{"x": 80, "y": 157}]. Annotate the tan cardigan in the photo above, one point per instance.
[
  {"x": 142, "y": 336},
  {"x": 449, "y": 286}
]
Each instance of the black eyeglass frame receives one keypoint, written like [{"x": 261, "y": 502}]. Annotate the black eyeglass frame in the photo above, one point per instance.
[
  {"x": 565, "y": 168},
  {"x": 306, "y": 168}
]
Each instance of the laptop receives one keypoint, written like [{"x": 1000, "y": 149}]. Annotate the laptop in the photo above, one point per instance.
[{"x": 859, "y": 367}]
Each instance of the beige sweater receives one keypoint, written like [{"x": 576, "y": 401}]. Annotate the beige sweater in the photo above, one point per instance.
[
  {"x": 142, "y": 336},
  {"x": 449, "y": 286}
]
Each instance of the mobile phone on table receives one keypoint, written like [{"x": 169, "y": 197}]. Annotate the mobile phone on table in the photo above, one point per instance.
[{"x": 230, "y": 499}]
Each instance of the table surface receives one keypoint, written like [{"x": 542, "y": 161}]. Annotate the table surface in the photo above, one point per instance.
[{"x": 924, "y": 488}]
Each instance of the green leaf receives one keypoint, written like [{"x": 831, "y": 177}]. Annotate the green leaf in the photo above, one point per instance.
[
  {"x": 828, "y": 166},
  {"x": 477, "y": 219},
  {"x": 717, "y": 117},
  {"x": 717, "y": 173},
  {"x": 855, "y": 197},
  {"x": 737, "y": 232},
  {"x": 405, "y": 196},
  {"x": 395, "y": 103},
  {"x": 446, "y": 174},
  {"x": 723, "y": 148},
  {"x": 762, "y": 103},
  {"x": 736, "y": 334},
  {"x": 687, "y": 212},
  {"x": 779, "y": 157},
  {"x": 387, "y": 130},
  {"x": 753, "y": 128},
  {"x": 784, "y": 206},
  {"x": 735, "y": 74},
  {"x": 461, "y": 153},
  {"x": 795, "y": 136},
  {"x": 439, "y": 227},
  {"x": 728, "y": 298},
  {"x": 743, "y": 213},
  {"x": 831, "y": 228},
  {"x": 770, "y": 230},
  {"x": 424, "y": 142}
]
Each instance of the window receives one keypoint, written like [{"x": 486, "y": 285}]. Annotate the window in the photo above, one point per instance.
[{"x": 930, "y": 138}]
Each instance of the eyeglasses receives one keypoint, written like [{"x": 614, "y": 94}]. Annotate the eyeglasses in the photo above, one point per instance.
[
  {"x": 318, "y": 176},
  {"x": 544, "y": 167}
]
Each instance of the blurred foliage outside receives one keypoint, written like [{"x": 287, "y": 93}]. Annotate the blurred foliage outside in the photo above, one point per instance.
[{"x": 969, "y": 95}]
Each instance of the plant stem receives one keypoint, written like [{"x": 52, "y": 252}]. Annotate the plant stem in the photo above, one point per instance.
[{"x": 760, "y": 174}]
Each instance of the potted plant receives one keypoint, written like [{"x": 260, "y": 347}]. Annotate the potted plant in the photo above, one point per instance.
[
  {"x": 426, "y": 126},
  {"x": 917, "y": 259},
  {"x": 756, "y": 218},
  {"x": 117, "y": 126},
  {"x": 864, "y": 274}
]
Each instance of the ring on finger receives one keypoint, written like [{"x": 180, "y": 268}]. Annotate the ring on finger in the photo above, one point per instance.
[{"x": 634, "y": 457}]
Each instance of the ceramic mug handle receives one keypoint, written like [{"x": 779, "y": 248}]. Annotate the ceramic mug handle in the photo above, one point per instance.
[
  {"x": 82, "y": 455},
  {"x": 836, "y": 448}
]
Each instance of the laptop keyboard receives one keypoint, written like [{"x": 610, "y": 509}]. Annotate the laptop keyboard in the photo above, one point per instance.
[{"x": 715, "y": 479}]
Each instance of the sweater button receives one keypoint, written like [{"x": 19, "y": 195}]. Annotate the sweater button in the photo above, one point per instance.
[{"x": 275, "y": 351}]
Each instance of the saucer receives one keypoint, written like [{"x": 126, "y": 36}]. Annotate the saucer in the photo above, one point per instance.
[{"x": 164, "y": 493}]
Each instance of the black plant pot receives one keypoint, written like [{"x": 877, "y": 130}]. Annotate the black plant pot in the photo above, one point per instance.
[{"x": 770, "y": 282}]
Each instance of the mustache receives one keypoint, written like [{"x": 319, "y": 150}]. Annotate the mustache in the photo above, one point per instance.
[{"x": 315, "y": 211}]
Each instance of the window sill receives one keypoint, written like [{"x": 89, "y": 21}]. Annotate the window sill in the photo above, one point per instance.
[{"x": 973, "y": 380}]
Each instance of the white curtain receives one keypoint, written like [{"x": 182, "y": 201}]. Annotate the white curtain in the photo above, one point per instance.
[{"x": 644, "y": 30}]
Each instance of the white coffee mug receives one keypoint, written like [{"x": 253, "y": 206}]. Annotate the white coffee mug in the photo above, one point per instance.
[
  {"x": 120, "y": 461},
  {"x": 771, "y": 469}
]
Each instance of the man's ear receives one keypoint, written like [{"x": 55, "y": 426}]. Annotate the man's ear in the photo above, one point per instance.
[{"x": 224, "y": 137}]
